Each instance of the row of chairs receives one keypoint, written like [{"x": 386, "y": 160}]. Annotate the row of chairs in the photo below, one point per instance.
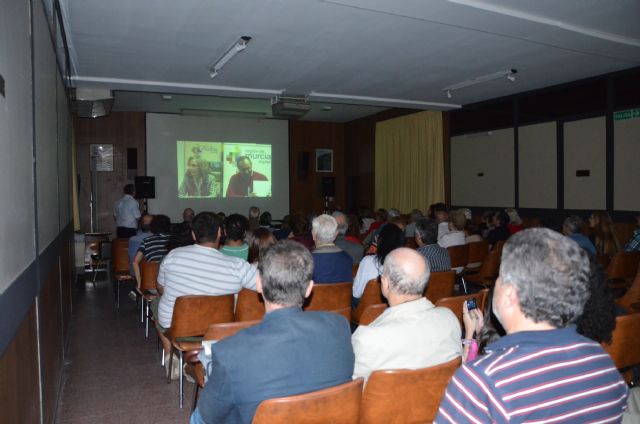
[{"x": 407, "y": 396}]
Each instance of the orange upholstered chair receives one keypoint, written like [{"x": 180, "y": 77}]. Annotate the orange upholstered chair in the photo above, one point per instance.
[
  {"x": 336, "y": 405},
  {"x": 440, "y": 285},
  {"x": 372, "y": 295},
  {"x": 455, "y": 303},
  {"x": 624, "y": 344},
  {"x": 405, "y": 396},
  {"x": 372, "y": 312},
  {"x": 249, "y": 306}
]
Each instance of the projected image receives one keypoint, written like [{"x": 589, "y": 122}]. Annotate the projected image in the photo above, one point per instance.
[
  {"x": 208, "y": 169},
  {"x": 247, "y": 170}
]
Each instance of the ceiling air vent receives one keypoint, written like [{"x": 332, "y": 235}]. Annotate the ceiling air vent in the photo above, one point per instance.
[
  {"x": 290, "y": 106},
  {"x": 92, "y": 102}
]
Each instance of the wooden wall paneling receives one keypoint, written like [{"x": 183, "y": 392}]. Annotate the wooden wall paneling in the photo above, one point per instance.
[
  {"x": 51, "y": 341},
  {"x": 123, "y": 130},
  {"x": 306, "y": 194},
  {"x": 19, "y": 394}
]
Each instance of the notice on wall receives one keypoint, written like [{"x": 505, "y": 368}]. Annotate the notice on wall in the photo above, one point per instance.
[{"x": 102, "y": 157}]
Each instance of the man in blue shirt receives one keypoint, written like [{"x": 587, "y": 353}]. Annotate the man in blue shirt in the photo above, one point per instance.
[
  {"x": 330, "y": 263},
  {"x": 290, "y": 352},
  {"x": 634, "y": 244},
  {"x": 572, "y": 227},
  {"x": 134, "y": 242}
]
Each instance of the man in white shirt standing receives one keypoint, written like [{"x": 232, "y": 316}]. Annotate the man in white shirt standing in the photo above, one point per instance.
[
  {"x": 126, "y": 213},
  {"x": 412, "y": 333}
]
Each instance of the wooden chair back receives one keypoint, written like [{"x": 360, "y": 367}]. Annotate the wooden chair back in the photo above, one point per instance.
[
  {"x": 625, "y": 341},
  {"x": 372, "y": 295},
  {"x": 337, "y": 405},
  {"x": 120, "y": 255},
  {"x": 329, "y": 297},
  {"x": 440, "y": 285},
  {"x": 405, "y": 396},
  {"x": 488, "y": 272},
  {"x": 149, "y": 275},
  {"x": 372, "y": 313},
  {"x": 455, "y": 303},
  {"x": 345, "y": 312},
  {"x": 222, "y": 330},
  {"x": 354, "y": 269},
  {"x": 249, "y": 306},
  {"x": 478, "y": 251},
  {"x": 632, "y": 295},
  {"x": 192, "y": 315},
  {"x": 623, "y": 266},
  {"x": 459, "y": 255}
]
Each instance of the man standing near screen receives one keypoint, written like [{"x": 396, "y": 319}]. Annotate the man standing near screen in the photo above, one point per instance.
[{"x": 241, "y": 184}]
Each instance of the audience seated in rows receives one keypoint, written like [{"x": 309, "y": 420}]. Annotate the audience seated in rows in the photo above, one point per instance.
[
  {"x": 414, "y": 216},
  {"x": 541, "y": 291},
  {"x": 411, "y": 333},
  {"x": 440, "y": 214},
  {"x": 330, "y": 263},
  {"x": 235, "y": 229},
  {"x": 290, "y": 352},
  {"x": 260, "y": 240},
  {"x": 354, "y": 249},
  {"x": 426, "y": 238},
  {"x": 572, "y": 228},
  {"x": 181, "y": 232},
  {"x": 199, "y": 269},
  {"x": 300, "y": 231},
  {"x": 391, "y": 237}
]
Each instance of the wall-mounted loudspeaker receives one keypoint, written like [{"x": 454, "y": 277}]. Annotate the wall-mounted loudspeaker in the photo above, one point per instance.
[{"x": 145, "y": 187}]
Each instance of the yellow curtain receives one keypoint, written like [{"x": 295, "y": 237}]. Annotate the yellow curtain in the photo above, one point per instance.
[{"x": 409, "y": 162}]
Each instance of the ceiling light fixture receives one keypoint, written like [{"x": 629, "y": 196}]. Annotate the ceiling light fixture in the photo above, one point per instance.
[
  {"x": 508, "y": 73},
  {"x": 380, "y": 101},
  {"x": 237, "y": 47}
]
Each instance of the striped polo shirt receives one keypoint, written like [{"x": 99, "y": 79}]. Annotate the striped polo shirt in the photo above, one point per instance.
[
  {"x": 197, "y": 269},
  {"x": 154, "y": 247},
  {"x": 437, "y": 256},
  {"x": 555, "y": 376}
]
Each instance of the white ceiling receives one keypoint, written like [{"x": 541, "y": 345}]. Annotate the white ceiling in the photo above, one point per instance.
[{"x": 401, "y": 50}]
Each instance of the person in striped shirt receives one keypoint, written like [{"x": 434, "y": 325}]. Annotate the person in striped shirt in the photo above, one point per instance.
[
  {"x": 542, "y": 370},
  {"x": 199, "y": 269}
]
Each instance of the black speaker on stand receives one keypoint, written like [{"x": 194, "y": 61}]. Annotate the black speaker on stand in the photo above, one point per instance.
[{"x": 145, "y": 189}]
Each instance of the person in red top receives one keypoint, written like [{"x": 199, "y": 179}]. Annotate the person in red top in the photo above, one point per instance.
[
  {"x": 515, "y": 223},
  {"x": 241, "y": 184}
]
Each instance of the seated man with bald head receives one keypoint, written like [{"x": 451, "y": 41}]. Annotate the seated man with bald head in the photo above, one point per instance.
[{"x": 412, "y": 333}]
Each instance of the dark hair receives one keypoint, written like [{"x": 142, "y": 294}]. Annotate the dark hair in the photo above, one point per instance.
[
  {"x": 391, "y": 237},
  {"x": 145, "y": 227},
  {"x": 598, "y": 318},
  {"x": 439, "y": 207},
  {"x": 236, "y": 226},
  {"x": 265, "y": 219},
  {"x": 573, "y": 223},
  {"x": 382, "y": 215},
  {"x": 160, "y": 224},
  {"x": 180, "y": 236},
  {"x": 205, "y": 227},
  {"x": 129, "y": 189},
  {"x": 503, "y": 218},
  {"x": 427, "y": 230},
  {"x": 299, "y": 224},
  {"x": 286, "y": 270},
  {"x": 241, "y": 158},
  {"x": 354, "y": 225},
  {"x": 260, "y": 240}
]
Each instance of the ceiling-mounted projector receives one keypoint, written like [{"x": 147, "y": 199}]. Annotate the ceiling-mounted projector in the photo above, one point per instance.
[
  {"x": 92, "y": 102},
  {"x": 290, "y": 106}
]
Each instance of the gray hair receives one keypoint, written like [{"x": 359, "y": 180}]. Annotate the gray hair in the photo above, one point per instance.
[
  {"x": 550, "y": 273},
  {"x": 324, "y": 227},
  {"x": 344, "y": 224},
  {"x": 407, "y": 271},
  {"x": 393, "y": 212},
  {"x": 286, "y": 269},
  {"x": 573, "y": 223}
]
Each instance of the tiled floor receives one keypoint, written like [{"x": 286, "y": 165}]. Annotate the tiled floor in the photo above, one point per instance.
[{"x": 113, "y": 374}]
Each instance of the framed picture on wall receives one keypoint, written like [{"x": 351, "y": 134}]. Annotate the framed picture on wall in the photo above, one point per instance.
[{"x": 324, "y": 160}]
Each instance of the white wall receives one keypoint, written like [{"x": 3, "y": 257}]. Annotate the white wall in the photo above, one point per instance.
[
  {"x": 491, "y": 155},
  {"x": 626, "y": 177},
  {"x": 17, "y": 248},
  {"x": 537, "y": 166},
  {"x": 585, "y": 149}
]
